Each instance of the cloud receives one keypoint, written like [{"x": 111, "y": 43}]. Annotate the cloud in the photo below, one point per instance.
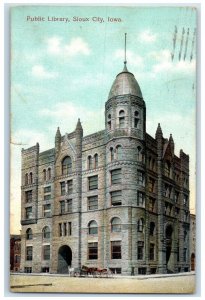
[
  {"x": 132, "y": 58},
  {"x": 147, "y": 36},
  {"x": 75, "y": 47},
  {"x": 163, "y": 63},
  {"x": 39, "y": 71}
]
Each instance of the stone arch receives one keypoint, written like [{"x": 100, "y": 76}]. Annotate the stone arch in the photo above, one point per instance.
[{"x": 64, "y": 259}]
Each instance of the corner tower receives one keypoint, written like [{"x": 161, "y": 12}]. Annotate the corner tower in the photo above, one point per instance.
[{"x": 125, "y": 111}]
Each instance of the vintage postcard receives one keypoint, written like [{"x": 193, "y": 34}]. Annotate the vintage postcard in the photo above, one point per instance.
[{"x": 103, "y": 104}]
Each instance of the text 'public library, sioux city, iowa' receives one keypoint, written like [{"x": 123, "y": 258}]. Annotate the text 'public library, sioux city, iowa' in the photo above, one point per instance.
[{"x": 116, "y": 199}]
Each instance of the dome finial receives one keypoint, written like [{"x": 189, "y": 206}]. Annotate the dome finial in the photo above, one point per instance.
[{"x": 125, "y": 61}]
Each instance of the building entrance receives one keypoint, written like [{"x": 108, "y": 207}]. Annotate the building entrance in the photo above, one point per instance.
[{"x": 64, "y": 259}]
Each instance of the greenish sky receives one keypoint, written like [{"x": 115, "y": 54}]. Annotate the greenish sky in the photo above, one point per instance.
[{"x": 64, "y": 70}]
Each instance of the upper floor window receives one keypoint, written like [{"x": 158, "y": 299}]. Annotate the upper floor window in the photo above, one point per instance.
[
  {"x": 151, "y": 228},
  {"x": 44, "y": 175},
  {"x": 31, "y": 177},
  {"x": 116, "y": 176},
  {"x": 136, "y": 119},
  {"x": 63, "y": 188},
  {"x": 109, "y": 124},
  {"x": 92, "y": 202},
  {"x": 121, "y": 119},
  {"x": 116, "y": 225},
  {"x": 140, "y": 199},
  {"x": 167, "y": 169},
  {"x": 93, "y": 182},
  {"x": 46, "y": 210},
  {"x": 90, "y": 165},
  {"x": 139, "y": 154},
  {"x": 28, "y": 196},
  {"x": 47, "y": 189},
  {"x": 46, "y": 252},
  {"x": 140, "y": 177},
  {"x": 93, "y": 227},
  {"x": 140, "y": 225},
  {"x": 93, "y": 250},
  {"x": 96, "y": 161},
  {"x": 151, "y": 204},
  {"x": 116, "y": 198},
  {"x": 66, "y": 165},
  {"x": 119, "y": 152},
  {"x": 46, "y": 232},
  {"x": 62, "y": 206},
  {"x": 116, "y": 250},
  {"x": 111, "y": 154},
  {"x": 26, "y": 179},
  {"x": 151, "y": 185},
  {"x": 28, "y": 212},
  {"x": 185, "y": 200},
  {"x": 49, "y": 173},
  {"x": 69, "y": 205},
  {"x": 29, "y": 234},
  {"x": 70, "y": 186}
]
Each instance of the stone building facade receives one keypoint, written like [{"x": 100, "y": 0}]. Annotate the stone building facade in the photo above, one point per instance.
[
  {"x": 193, "y": 241},
  {"x": 117, "y": 199},
  {"x": 15, "y": 252}
]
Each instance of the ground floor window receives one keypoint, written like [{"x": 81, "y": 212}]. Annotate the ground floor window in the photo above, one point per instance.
[
  {"x": 45, "y": 269},
  {"x": 186, "y": 269},
  {"x": 153, "y": 270},
  {"x": 140, "y": 250},
  {"x": 116, "y": 250},
  {"x": 92, "y": 250},
  {"x": 28, "y": 269},
  {"x": 142, "y": 271},
  {"x": 116, "y": 270}
]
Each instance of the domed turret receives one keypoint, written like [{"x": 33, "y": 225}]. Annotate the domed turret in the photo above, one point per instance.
[{"x": 125, "y": 84}]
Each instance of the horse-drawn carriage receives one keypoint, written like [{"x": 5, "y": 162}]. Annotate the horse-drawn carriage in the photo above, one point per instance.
[{"x": 85, "y": 271}]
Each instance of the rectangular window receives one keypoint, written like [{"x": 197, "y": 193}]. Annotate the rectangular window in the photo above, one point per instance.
[
  {"x": 140, "y": 250},
  {"x": 46, "y": 252},
  {"x": 28, "y": 269},
  {"x": 168, "y": 191},
  {"x": 185, "y": 200},
  {"x": 70, "y": 186},
  {"x": 122, "y": 122},
  {"x": 28, "y": 196},
  {"x": 151, "y": 204},
  {"x": 47, "y": 189},
  {"x": 151, "y": 185},
  {"x": 29, "y": 252},
  {"x": 116, "y": 176},
  {"x": 140, "y": 178},
  {"x": 116, "y": 270},
  {"x": 93, "y": 250},
  {"x": 47, "y": 197},
  {"x": 93, "y": 183},
  {"x": 140, "y": 199},
  {"x": 60, "y": 229},
  {"x": 141, "y": 271},
  {"x": 185, "y": 254},
  {"x": 62, "y": 207},
  {"x": 64, "y": 229},
  {"x": 151, "y": 252},
  {"x": 28, "y": 212},
  {"x": 176, "y": 197},
  {"x": 45, "y": 269},
  {"x": 116, "y": 198},
  {"x": 47, "y": 210},
  {"x": 69, "y": 205},
  {"x": 93, "y": 203},
  {"x": 116, "y": 250},
  {"x": 62, "y": 188},
  {"x": 69, "y": 228}
]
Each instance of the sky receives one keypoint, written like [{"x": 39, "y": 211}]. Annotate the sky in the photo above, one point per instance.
[{"x": 62, "y": 71}]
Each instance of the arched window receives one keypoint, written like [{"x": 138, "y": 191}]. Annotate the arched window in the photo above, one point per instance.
[
  {"x": 139, "y": 153},
  {"x": 49, "y": 173},
  {"x": 152, "y": 228},
  {"x": 119, "y": 152},
  {"x": 90, "y": 162},
  {"x": 121, "y": 119},
  {"x": 66, "y": 165},
  {"x": 140, "y": 225},
  {"x": 111, "y": 154},
  {"x": 26, "y": 179},
  {"x": 31, "y": 177},
  {"x": 44, "y": 175},
  {"x": 46, "y": 232},
  {"x": 29, "y": 234},
  {"x": 109, "y": 124},
  {"x": 95, "y": 160},
  {"x": 116, "y": 225},
  {"x": 136, "y": 119},
  {"x": 93, "y": 227}
]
